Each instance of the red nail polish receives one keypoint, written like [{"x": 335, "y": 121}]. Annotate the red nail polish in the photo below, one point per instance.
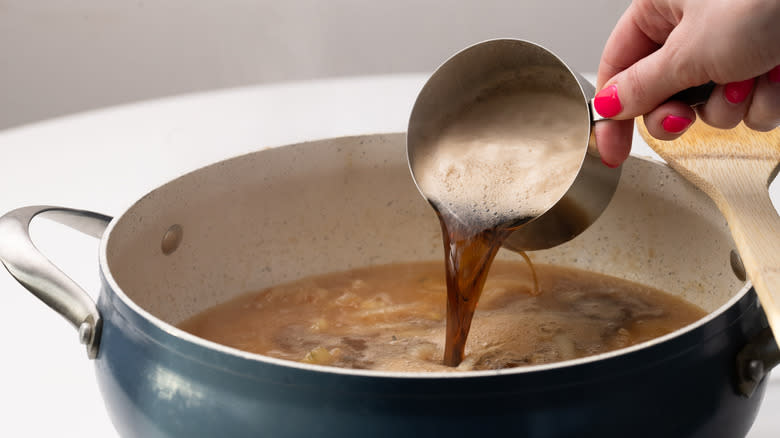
[
  {"x": 675, "y": 124},
  {"x": 737, "y": 92},
  {"x": 607, "y": 103},
  {"x": 774, "y": 74},
  {"x": 612, "y": 166}
]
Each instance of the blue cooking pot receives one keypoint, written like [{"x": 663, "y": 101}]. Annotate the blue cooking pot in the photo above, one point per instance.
[{"x": 282, "y": 213}]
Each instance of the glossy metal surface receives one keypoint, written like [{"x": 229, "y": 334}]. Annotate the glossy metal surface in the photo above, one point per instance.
[
  {"x": 519, "y": 63},
  {"x": 36, "y": 273}
]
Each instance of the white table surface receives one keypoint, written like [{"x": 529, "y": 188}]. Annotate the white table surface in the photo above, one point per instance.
[{"x": 104, "y": 160}]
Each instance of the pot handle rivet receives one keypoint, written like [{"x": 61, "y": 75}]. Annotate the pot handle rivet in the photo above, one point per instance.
[
  {"x": 755, "y": 370},
  {"x": 41, "y": 277},
  {"x": 85, "y": 333}
]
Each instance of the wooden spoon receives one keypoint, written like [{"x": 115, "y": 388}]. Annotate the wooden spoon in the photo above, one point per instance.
[{"x": 734, "y": 167}]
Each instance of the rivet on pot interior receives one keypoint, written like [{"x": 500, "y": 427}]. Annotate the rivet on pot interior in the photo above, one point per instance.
[
  {"x": 737, "y": 266},
  {"x": 172, "y": 239}
]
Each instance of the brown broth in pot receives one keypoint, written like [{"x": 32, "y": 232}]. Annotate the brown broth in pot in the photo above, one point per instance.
[{"x": 393, "y": 318}]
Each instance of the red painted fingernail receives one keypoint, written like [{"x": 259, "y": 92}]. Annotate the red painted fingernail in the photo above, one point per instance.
[
  {"x": 737, "y": 92},
  {"x": 774, "y": 74},
  {"x": 607, "y": 103},
  {"x": 612, "y": 166},
  {"x": 675, "y": 124}
]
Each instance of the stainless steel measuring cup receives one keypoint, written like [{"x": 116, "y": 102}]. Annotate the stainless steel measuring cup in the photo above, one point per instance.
[{"x": 506, "y": 63}]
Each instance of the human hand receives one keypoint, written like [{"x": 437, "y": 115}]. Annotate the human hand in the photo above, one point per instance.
[{"x": 660, "y": 47}]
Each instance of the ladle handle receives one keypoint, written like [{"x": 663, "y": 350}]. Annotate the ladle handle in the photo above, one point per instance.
[
  {"x": 695, "y": 96},
  {"x": 41, "y": 277}
]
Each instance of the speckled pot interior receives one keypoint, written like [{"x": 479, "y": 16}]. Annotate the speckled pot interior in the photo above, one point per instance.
[{"x": 283, "y": 213}]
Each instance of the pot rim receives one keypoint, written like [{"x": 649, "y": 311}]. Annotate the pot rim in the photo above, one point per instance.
[{"x": 175, "y": 332}]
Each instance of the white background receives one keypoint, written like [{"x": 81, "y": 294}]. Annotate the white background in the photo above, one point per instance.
[
  {"x": 61, "y": 56},
  {"x": 66, "y": 56}
]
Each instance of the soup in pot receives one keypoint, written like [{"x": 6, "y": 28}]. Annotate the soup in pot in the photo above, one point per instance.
[
  {"x": 393, "y": 318},
  {"x": 483, "y": 177}
]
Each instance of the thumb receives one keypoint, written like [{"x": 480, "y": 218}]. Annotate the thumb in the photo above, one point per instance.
[{"x": 643, "y": 86}]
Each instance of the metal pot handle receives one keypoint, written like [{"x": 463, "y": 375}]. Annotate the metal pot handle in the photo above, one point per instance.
[
  {"x": 756, "y": 360},
  {"x": 41, "y": 277}
]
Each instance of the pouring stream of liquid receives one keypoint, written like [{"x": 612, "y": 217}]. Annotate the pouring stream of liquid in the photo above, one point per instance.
[
  {"x": 468, "y": 257},
  {"x": 495, "y": 165}
]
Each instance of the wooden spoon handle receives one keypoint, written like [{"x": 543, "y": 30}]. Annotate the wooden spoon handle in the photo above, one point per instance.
[
  {"x": 755, "y": 226},
  {"x": 735, "y": 167}
]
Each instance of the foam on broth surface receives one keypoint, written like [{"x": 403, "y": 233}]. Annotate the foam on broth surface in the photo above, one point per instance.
[
  {"x": 508, "y": 155},
  {"x": 393, "y": 318}
]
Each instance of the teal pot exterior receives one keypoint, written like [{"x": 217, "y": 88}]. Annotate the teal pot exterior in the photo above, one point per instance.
[{"x": 158, "y": 384}]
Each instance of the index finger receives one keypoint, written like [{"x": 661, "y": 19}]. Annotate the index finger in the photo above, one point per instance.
[{"x": 628, "y": 43}]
